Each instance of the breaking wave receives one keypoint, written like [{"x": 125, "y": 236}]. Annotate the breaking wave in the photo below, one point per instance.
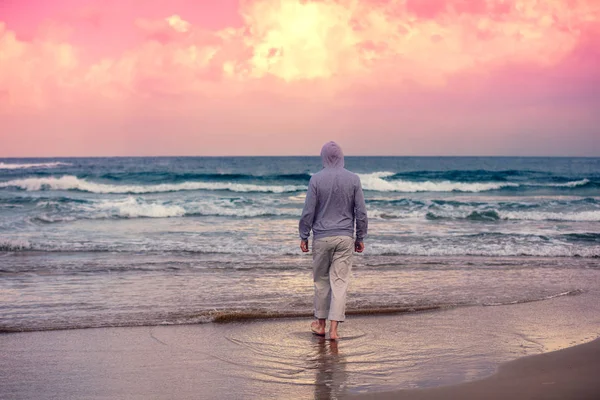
[
  {"x": 70, "y": 182},
  {"x": 150, "y": 183},
  {"x": 389, "y": 182},
  {"x": 376, "y": 182},
  {"x": 33, "y": 165},
  {"x": 582, "y": 182},
  {"x": 132, "y": 207}
]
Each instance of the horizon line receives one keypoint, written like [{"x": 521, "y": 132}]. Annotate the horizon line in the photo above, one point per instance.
[{"x": 299, "y": 155}]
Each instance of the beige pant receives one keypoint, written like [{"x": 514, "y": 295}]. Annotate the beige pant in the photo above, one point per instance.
[{"x": 332, "y": 264}]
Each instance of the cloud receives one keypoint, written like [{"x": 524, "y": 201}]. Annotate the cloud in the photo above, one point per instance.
[
  {"x": 35, "y": 71},
  {"x": 166, "y": 30},
  {"x": 284, "y": 47}
]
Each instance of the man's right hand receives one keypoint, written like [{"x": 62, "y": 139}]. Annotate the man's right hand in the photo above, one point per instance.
[
  {"x": 359, "y": 247},
  {"x": 304, "y": 246}
]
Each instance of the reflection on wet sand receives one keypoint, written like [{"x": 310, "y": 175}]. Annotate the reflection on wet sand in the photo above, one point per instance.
[
  {"x": 330, "y": 380},
  {"x": 283, "y": 360}
]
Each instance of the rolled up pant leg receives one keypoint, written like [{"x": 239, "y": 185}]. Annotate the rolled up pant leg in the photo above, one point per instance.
[{"x": 332, "y": 265}]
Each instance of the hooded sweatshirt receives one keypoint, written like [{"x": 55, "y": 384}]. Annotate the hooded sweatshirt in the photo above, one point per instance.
[{"x": 334, "y": 200}]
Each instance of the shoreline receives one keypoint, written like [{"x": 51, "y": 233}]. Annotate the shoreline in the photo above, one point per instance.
[
  {"x": 224, "y": 317},
  {"x": 570, "y": 373}
]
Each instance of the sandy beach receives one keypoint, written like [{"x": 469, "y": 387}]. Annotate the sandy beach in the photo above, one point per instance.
[
  {"x": 280, "y": 359},
  {"x": 564, "y": 374}
]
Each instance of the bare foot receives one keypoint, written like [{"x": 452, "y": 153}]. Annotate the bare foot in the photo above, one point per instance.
[
  {"x": 317, "y": 328},
  {"x": 333, "y": 333}
]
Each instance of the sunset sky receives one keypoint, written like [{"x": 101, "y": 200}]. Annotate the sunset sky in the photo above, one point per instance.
[{"x": 281, "y": 77}]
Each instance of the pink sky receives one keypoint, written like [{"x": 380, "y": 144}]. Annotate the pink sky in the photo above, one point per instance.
[{"x": 281, "y": 77}]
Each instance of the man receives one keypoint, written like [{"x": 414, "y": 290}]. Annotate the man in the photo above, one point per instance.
[{"x": 334, "y": 201}]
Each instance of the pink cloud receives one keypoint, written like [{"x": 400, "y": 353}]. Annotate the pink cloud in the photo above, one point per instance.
[{"x": 317, "y": 40}]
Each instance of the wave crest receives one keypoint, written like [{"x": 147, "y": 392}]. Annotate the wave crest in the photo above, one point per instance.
[
  {"x": 389, "y": 182},
  {"x": 376, "y": 182}
]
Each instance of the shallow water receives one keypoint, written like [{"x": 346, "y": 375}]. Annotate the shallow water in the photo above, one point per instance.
[{"x": 42, "y": 291}]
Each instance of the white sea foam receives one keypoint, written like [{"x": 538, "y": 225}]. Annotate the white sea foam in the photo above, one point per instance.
[
  {"x": 54, "y": 218},
  {"x": 132, "y": 207},
  {"x": 552, "y": 296},
  {"x": 376, "y": 182},
  {"x": 580, "y": 216},
  {"x": 14, "y": 245},
  {"x": 70, "y": 182},
  {"x": 212, "y": 209},
  {"x": 299, "y": 198},
  {"x": 135, "y": 208},
  {"x": 37, "y": 165},
  {"x": 571, "y": 184},
  {"x": 577, "y": 183}
]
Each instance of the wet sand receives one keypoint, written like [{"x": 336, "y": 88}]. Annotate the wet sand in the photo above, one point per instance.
[
  {"x": 571, "y": 373},
  {"x": 280, "y": 359}
]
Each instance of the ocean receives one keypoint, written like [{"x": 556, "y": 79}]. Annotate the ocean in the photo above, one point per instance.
[{"x": 99, "y": 242}]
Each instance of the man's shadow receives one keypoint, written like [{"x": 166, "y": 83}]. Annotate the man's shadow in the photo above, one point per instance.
[{"x": 330, "y": 380}]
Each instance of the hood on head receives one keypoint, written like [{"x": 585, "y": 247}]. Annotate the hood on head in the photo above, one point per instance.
[{"x": 332, "y": 155}]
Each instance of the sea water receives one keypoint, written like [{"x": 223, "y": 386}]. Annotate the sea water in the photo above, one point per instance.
[{"x": 90, "y": 242}]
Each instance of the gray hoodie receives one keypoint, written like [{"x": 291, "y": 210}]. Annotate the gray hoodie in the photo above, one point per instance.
[{"x": 334, "y": 200}]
